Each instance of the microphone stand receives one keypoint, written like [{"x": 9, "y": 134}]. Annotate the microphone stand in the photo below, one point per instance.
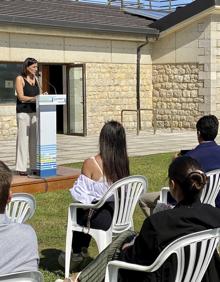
[
  {"x": 50, "y": 84},
  {"x": 54, "y": 88}
]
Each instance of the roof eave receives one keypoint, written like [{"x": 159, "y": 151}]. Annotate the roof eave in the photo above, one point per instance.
[
  {"x": 190, "y": 20},
  {"x": 184, "y": 13},
  {"x": 78, "y": 26}
]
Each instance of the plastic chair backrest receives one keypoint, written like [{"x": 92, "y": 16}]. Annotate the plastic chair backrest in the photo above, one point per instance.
[
  {"x": 126, "y": 194},
  {"x": 163, "y": 194},
  {"x": 202, "y": 246},
  {"x": 212, "y": 187},
  {"x": 21, "y": 207},
  {"x": 26, "y": 276},
  {"x": 209, "y": 193},
  {"x": 199, "y": 248}
]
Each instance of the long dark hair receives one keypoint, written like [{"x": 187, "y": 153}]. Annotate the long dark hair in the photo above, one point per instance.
[
  {"x": 28, "y": 62},
  {"x": 187, "y": 173},
  {"x": 113, "y": 151}
]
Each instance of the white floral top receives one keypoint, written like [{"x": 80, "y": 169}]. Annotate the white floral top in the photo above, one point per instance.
[{"x": 86, "y": 190}]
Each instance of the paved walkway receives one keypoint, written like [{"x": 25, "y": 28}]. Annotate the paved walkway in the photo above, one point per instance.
[
  {"x": 75, "y": 149},
  {"x": 72, "y": 149}
]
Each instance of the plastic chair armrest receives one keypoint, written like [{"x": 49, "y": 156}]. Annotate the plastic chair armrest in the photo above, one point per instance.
[{"x": 163, "y": 195}]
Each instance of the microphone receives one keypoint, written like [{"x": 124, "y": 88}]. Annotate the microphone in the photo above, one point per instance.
[{"x": 54, "y": 88}]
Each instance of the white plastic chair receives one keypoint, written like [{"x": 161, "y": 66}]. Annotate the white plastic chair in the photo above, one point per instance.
[
  {"x": 26, "y": 276},
  {"x": 209, "y": 193},
  {"x": 212, "y": 188},
  {"x": 202, "y": 246},
  {"x": 125, "y": 194},
  {"x": 21, "y": 207}
]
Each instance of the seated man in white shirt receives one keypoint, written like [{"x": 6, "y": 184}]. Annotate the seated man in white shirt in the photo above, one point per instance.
[{"x": 18, "y": 242}]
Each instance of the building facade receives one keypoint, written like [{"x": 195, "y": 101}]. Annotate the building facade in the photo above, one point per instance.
[
  {"x": 96, "y": 69},
  {"x": 96, "y": 65}
]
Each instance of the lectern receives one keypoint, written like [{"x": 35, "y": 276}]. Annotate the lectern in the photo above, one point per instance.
[{"x": 46, "y": 134}]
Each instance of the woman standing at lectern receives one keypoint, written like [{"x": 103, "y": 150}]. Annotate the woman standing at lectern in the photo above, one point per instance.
[{"x": 27, "y": 89}]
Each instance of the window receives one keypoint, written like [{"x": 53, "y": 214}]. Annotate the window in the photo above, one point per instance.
[{"x": 8, "y": 73}]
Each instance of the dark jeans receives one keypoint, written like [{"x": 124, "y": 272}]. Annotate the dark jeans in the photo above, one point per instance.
[{"x": 101, "y": 219}]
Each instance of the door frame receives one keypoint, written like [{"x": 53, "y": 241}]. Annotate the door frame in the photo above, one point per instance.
[
  {"x": 83, "y": 66},
  {"x": 44, "y": 70}
]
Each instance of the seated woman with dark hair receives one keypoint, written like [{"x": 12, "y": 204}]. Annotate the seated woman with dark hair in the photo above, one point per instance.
[
  {"x": 186, "y": 181},
  {"x": 98, "y": 173}
]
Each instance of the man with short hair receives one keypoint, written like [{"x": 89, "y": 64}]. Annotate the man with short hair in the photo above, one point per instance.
[
  {"x": 18, "y": 242},
  {"x": 207, "y": 153}
]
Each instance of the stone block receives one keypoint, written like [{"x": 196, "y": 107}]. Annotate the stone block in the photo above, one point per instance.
[
  {"x": 186, "y": 78},
  {"x": 218, "y": 26},
  {"x": 201, "y": 26},
  {"x": 204, "y": 59},
  {"x": 186, "y": 93},
  {"x": 204, "y": 43},
  {"x": 204, "y": 75}
]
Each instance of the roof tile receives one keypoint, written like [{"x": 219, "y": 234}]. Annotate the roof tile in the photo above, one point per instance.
[{"x": 72, "y": 14}]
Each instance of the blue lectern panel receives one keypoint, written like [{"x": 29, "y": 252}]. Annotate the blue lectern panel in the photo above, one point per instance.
[
  {"x": 46, "y": 149},
  {"x": 46, "y": 134}
]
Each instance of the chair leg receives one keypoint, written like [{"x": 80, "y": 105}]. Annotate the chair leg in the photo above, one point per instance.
[
  {"x": 102, "y": 238},
  {"x": 69, "y": 237},
  {"x": 111, "y": 273}
]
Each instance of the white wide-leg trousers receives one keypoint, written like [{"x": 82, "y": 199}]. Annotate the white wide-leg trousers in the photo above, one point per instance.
[{"x": 26, "y": 141}]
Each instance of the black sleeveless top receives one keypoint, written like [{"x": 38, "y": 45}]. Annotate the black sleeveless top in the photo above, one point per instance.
[{"x": 30, "y": 91}]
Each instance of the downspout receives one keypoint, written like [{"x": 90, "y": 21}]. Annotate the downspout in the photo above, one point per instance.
[
  {"x": 138, "y": 81},
  {"x": 138, "y": 84}
]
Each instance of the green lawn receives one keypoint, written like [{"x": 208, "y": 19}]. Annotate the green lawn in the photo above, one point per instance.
[{"x": 50, "y": 218}]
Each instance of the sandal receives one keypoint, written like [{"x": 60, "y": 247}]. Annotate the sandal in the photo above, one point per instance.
[{"x": 22, "y": 173}]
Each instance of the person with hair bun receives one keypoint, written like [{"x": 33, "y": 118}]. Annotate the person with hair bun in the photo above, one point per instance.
[{"x": 186, "y": 181}]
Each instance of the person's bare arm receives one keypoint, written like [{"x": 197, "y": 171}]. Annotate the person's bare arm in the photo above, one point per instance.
[
  {"x": 87, "y": 168},
  {"x": 19, "y": 85}
]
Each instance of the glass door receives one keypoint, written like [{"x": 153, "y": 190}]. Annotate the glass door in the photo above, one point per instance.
[{"x": 76, "y": 100}]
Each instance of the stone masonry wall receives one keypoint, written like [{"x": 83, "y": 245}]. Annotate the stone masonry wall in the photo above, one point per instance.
[
  {"x": 111, "y": 88},
  {"x": 176, "y": 96},
  {"x": 8, "y": 126}
]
